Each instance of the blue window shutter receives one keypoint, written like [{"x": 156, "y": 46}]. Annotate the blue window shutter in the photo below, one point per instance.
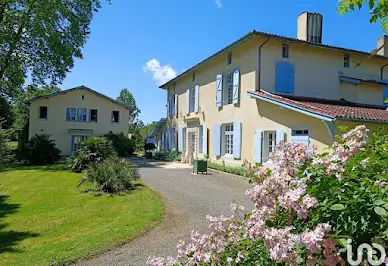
[
  {"x": 301, "y": 139},
  {"x": 219, "y": 90},
  {"x": 236, "y": 85},
  {"x": 237, "y": 140},
  {"x": 258, "y": 145},
  {"x": 279, "y": 135},
  {"x": 217, "y": 140},
  {"x": 285, "y": 80},
  {"x": 180, "y": 139},
  {"x": 188, "y": 101},
  {"x": 176, "y": 105},
  {"x": 163, "y": 146},
  {"x": 196, "y": 103},
  {"x": 204, "y": 139},
  {"x": 385, "y": 97},
  {"x": 168, "y": 139}
]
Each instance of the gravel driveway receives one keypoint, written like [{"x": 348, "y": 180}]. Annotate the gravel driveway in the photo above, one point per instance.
[{"x": 188, "y": 198}]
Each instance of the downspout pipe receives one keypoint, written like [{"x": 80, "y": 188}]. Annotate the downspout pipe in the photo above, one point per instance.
[
  {"x": 382, "y": 72},
  {"x": 259, "y": 65}
]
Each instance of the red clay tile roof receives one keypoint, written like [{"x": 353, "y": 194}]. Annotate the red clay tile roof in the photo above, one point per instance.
[{"x": 336, "y": 109}]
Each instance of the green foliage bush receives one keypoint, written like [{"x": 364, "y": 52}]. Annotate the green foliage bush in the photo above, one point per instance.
[
  {"x": 167, "y": 156},
  {"x": 357, "y": 204},
  {"x": 149, "y": 147},
  {"x": 4, "y": 148},
  {"x": 93, "y": 150},
  {"x": 236, "y": 170},
  {"x": 40, "y": 150},
  {"x": 123, "y": 146},
  {"x": 112, "y": 175}
]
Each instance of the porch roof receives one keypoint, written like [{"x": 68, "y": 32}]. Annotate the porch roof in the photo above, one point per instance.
[
  {"x": 328, "y": 110},
  {"x": 156, "y": 129}
]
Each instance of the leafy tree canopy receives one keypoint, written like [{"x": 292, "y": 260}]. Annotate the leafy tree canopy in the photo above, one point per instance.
[
  {"x": 20, "y": 109},
  {"x": 378, "y": 9},
  {"x": 127, "y": 98},
  {"x": 41, "y": 39}
]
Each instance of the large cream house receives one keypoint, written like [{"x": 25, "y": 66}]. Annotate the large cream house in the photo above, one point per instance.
[
  {"x": 70, "y": 116},
  {"x": 262, "y": 89}
]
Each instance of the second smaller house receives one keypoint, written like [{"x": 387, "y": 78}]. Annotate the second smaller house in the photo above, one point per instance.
[
  {"x": 71, "y": 116},
  {"x": 158, "y": 136}
]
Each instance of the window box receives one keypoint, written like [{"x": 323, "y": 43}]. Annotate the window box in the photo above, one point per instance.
[{"x": 199, "y": 166}]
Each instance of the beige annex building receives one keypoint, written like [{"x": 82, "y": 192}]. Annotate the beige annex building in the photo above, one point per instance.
[{"x": 70, "y": 116}]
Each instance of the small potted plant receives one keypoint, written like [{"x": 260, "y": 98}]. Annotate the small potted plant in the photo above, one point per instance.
[{"x": 200, "y": 166}]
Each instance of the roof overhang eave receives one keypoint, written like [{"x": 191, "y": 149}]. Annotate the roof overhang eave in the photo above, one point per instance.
[{"x": 293, "y": 107}]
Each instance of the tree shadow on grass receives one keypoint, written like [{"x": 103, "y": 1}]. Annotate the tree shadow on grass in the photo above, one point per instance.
[
  {"x": 24, "y": 167},
  {"x": 10, "y": 238},
  {"x": 97, "y": 193}
]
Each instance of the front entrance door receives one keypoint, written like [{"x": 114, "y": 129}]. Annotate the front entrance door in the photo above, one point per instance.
[{"x": 76, "y": 143}]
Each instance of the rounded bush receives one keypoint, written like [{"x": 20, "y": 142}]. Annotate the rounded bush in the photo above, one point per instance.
[
  {"x": 112, "y": 175},
  {"x": 93, "y": 150}
]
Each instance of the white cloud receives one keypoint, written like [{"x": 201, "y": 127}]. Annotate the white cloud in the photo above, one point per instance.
[
  {"x": 161, "y": 74},
  {"x": 218, "y": 3}
]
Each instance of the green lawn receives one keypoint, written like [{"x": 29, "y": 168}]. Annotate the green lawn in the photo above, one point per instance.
[{"x": 45, "y": 219}]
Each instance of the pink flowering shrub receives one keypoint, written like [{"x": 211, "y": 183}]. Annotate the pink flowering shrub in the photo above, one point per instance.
[{"x": 303, "y": 206}]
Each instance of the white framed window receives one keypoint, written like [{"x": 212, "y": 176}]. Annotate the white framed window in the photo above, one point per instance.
[
  {"x": 300, "y": 132},
  {"x": 229, "y": 58},
  {"x": 346, "y": 60},
  {"x": 71, "y": 114},
  {"x": 228, "y": 92},
  {"x": 43, "y": 112},
  {"x": 227, "y": 130},
  {"x": 192, "y": 99},
  {"x": 285, "y": 50},
  {"x": 271, "y": 142},
  {"x": 82, "y": 114},
  {"x": 115, "y": 116}
]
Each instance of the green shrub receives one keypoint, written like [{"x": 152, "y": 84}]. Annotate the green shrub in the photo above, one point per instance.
[
  {"x": 167, "y": 156},
  {"x": 123, "y": 146},
  {"x": 173, "y": 156},
  {"x": 40, "y": 150},
  {"x": 159, "y": 155},
  {"x": 93, "y": 150},
  {"x": 149, "y": 147},
  {"x": 4, "y": 148},
  {"x": 236, "y": 170},
  {"x": 112, "y": 175}
]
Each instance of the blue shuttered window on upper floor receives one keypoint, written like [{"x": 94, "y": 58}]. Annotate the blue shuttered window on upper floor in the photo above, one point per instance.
[{"x": 284, "y": 77}]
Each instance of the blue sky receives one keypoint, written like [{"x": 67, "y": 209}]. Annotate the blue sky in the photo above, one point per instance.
[{"x": 139, "y": 44}]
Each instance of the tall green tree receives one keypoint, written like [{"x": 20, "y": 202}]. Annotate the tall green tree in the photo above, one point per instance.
[
  {"x": 20, "y": 109},
  {"x": 127, "y": 98},
  {"x": 41, "y": 39},
  {"x": 378, "y": 9}
]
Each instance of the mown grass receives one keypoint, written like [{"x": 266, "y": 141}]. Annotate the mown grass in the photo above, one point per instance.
[{"x": 45, "y": 219}]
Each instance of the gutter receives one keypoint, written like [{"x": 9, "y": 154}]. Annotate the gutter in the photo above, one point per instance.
[{"x": 259, "y": 65}]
